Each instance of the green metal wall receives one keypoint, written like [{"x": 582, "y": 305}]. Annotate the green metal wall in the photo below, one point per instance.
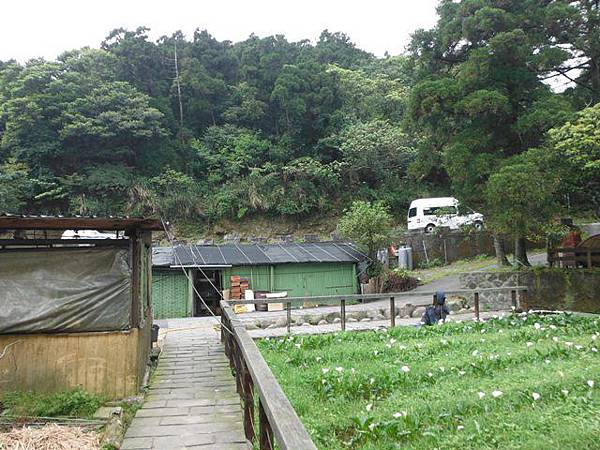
[
  {"x": 171, "y": 295},
  {"x": 298, "y": 279}
]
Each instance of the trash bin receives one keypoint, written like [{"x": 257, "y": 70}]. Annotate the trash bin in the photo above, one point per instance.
[
  {"x": 405, "y": 260},
  {"x": 154, "y": 334}
]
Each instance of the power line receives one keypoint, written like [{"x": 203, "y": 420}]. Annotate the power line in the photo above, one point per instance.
[{"x": 171, "y": 242}]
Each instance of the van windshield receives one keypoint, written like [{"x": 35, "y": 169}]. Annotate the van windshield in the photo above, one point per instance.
[{"x": 412, "y": 212}]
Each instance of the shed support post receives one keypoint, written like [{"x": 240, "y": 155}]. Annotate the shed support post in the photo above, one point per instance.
[
  {"x": 392, "y": 312},
  {"x": 343, "y": 314}
]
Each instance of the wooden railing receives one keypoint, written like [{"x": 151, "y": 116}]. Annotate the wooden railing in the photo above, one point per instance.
[
  {"x": 574, "y": 257},
  {"x": 517, "y": 296},
  {"x": 277, "y": 420}
]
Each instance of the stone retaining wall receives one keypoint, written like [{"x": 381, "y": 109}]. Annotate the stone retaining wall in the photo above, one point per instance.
[{"x": 555, "y": 289}]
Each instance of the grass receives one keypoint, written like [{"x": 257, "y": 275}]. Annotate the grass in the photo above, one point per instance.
[
  {"x": 433, "y": 387},
  {"x": 74, "y": 403},
  {"x": 464, "y": 265}
]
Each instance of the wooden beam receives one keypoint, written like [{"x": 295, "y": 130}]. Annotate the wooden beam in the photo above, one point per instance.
[
  {"x": 276, "y": 414},
  {"x": 78, "y": 223},
  {"x": 335, "y": 299}
]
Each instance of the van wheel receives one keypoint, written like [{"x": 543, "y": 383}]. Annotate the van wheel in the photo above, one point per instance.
[
  {"x": 429, "y": 228},
  {"x": 478, "y": 225}
]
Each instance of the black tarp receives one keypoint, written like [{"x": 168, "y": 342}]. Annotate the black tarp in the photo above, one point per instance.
[{"x": 65, "y": 290}]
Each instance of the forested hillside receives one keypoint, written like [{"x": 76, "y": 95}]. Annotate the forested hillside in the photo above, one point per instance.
[{"x": 193, "y": 128}]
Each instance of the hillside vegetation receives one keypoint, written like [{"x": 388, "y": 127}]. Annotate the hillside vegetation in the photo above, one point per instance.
[{"x": 206, "y": 131}]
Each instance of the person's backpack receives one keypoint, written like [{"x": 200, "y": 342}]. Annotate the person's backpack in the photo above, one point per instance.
[
  {"x": 429, "y": 316},
  {"x": 436, "y": 312}
]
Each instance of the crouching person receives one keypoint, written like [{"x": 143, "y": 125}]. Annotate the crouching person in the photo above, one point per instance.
[{"x": 437, "y": 311}]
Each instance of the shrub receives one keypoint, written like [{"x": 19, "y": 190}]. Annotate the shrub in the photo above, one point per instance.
[{"x": 399, "y": 280}]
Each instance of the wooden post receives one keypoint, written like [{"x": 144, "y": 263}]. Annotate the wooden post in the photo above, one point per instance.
[
  {"x": 589, "y": 258},
  {"x": 392, "y": 312},
  {"x": 513, "y": 299},
  {"x": 343, "y": 314},
  {"x": 265, "y": 431},
  {"x": 288, "y": 307},
  {"x": 476, "y": 301},
  {"x": 248, "y": 405}
]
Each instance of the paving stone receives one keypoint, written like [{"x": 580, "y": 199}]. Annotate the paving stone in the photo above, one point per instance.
[
  {"x": 137, "y": 443},
  {"x": 192, "y": 402}
]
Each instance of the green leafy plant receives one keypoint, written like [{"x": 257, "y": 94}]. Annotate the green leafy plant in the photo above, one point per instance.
[{"x": 74, "y": 403}]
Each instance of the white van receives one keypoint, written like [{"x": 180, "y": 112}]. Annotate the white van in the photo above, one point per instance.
[{"x": 427, "y": 213}]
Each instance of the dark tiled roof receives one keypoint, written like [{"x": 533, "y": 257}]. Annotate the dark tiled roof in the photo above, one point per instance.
[{"x": 255, "y": 254}]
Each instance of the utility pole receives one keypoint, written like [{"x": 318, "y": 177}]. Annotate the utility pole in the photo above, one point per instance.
[{"x": 179, "y": 95}]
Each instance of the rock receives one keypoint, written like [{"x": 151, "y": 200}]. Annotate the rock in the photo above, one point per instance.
[
  {"x": 266, "y": 323},
  {"x": 106, "y": 412},
  {"x": 251, "y": 326},
  {"x": 464, "y": 311},
  {"x": 378, "y": 317},
  {"x": 322, "y": 322},
  {"x": 407, "y": 310},
  {"x": 351, "y": 319},
  {"x": 315, "y": 319},
  {"x": 271, "y": 326},
  {"x": 336, "y": 320},
  {"x": 418, "y": 312},
  {"x": 454, "y": 305},
  {"x": 332, "y": 316},
  {"x": 372, "y": 313},
  {"x": 280, "y": 323},
  {"x": 406, "y": 317},
  {"x": 365, "y": 319}
]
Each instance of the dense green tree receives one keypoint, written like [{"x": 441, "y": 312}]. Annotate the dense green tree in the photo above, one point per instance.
[
  {"x": 370, "y": 226},
  {"x": 576, "y": 158}
]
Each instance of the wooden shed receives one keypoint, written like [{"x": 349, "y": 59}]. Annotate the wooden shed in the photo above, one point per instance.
[
  {"x": 75, "y": 312},
  {"x": 299, "y": 269}
]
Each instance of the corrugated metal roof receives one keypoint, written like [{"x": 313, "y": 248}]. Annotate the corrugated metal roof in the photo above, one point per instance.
[
  {"x": 255, "y": 254},
  {"x": 46, "y": 222}
]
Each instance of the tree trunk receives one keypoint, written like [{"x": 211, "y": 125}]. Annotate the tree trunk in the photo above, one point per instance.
[
  {"x": 501, "y": 258},
  {"x": 521, "y": 251}
]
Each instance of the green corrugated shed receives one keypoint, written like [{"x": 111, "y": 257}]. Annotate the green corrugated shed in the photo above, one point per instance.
[
  {"x": 298, "y": 280},
  {"x": 171, "y": 295}
]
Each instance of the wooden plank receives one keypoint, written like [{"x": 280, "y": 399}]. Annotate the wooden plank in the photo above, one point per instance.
[
  {"x": 265, "y": 430},
  {"x": 79, "y": 223},
  {"x": 56, "y": 362},
  {"x": 335, "y": 299},
  {"x": 288, "y": 430}
]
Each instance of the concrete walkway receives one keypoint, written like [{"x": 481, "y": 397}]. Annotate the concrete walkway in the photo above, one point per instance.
[{"x": 192, "y": 402}]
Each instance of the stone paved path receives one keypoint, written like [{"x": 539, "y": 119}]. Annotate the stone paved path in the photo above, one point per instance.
[{"x": 192, "y": 402}]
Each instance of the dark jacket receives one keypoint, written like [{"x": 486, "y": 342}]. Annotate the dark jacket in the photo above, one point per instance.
[{"x": 436, "y": 312}]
